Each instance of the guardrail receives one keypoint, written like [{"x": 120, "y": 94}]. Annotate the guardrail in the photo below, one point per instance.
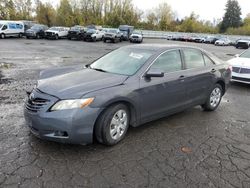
[{"x": 164, "y": 34}]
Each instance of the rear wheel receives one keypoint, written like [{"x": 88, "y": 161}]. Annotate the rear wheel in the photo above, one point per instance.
[
  {"x": 214, "y": 98},
  {"x": 112, "y": 125}
]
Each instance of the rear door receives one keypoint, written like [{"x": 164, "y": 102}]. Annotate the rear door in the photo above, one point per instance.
[
  {"x": 163, "y": 95},
  {"x": 199, "y": 75}
]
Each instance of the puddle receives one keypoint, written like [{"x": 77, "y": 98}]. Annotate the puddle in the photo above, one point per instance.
[{"x": 6, "y": 65}]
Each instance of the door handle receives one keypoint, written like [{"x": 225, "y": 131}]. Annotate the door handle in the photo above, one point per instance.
[{"x": 213, "y": 70}]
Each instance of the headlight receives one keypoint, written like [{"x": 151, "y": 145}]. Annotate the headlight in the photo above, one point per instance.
[{"x": 71, "y": 104}]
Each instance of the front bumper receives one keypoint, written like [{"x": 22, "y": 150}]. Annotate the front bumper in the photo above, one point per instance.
[
  {"x": 243, "y": 78},
  {"x": 135, "y": 39},
  {"x": 73, "y": 126},
  {"x": 30, "y": 34}
]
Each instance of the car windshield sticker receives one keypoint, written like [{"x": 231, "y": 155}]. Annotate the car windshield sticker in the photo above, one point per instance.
[{"x": 137, "y": 56}]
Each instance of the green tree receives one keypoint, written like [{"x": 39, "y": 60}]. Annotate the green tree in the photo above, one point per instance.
[
  {"x": 65, "y": 14},
  {"x": 45, "y": 13},
  {"x": 24, "y": 9},
  {"x": 232, "y": 16}
]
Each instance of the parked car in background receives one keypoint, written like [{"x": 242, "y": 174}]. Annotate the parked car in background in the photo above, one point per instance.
[
  {"x": 241, "y": 67},
  {"x": 242, "y": 43},
  {"x": 169, "y": 37},
  {"x": 126, "y": 30},
  {"x": 136, "y": 36},
  {"x": 127, "y": 87},
  {"x": 77, "y": 32},
  {"x": 57, "y": 33},
  {"x": 11, "y": 29},
  {"x": 113, "y": 35},
  {"x": 36, "y": 31},
  {"x": 93, "y": 35},
  {"x": 222, "y": 42},
  {"x": 124, "y": 35},
  {"x": 210, "y": 39}
]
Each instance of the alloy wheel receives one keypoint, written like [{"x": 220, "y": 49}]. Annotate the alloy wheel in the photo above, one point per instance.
[
  {"x": 118, "y": 124},
  {"x": 215, "y": 97}
]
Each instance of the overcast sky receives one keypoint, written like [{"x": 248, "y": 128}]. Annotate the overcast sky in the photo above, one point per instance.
[{"x": 207, "y": 9}]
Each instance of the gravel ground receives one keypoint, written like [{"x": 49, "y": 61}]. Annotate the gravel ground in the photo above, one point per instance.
[{"x": 189, "y": 149}]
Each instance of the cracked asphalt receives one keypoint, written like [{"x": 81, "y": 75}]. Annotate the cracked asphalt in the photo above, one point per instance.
[{"x": 190, "y": 149}]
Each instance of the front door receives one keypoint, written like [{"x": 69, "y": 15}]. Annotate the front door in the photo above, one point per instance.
[{"x": 162, "y": 95}]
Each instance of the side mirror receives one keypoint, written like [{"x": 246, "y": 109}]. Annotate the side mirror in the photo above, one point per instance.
[
  {"x": 154, "y": 73},
  {"x": 236, "y": 55}
]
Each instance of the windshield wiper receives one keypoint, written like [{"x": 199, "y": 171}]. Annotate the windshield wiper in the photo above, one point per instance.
[{"x": 101, "y": 70}]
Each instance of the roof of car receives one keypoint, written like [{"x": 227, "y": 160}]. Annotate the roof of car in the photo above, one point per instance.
[{"x": 160, "y": 47}]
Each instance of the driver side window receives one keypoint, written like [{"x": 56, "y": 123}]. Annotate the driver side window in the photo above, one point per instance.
[
  {"x": 4, "y": 27},
  {"x": 168, "y": 62}
]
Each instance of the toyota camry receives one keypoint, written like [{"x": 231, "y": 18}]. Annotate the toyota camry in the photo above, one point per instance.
[{"x": 126, "y": 87}]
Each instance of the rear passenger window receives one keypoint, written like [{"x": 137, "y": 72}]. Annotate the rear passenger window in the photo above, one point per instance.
[
  {"x": 168, "y": 62},
  {"x": 193, "y": 58},
  {"x": 208, "y": 61}
]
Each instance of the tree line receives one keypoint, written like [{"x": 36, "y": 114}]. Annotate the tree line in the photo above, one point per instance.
[{"x": 112, "y": 13}]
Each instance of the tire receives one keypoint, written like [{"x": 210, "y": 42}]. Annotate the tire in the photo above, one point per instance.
[
  {"x": 38, "y": 36},
  {"x": 104, "y": 40},
  {"x": 111, "y": 122},
  {"x": 27, "y": 37},
  {"x": 2, "y": 36},
  {"x": 214, "y": 98},
  {"x": 120, "y": 39},
  {"x": 69, "y": 38},
  {"x": 20, "y": 35},
  {"x": 94, "y": 39},
  {"x": 56, "y": 37}
]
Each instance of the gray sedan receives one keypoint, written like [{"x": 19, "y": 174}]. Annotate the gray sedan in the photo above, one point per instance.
[{"x": 127, "y": 87}]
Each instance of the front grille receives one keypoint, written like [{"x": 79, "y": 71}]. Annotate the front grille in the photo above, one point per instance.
[
  {"x": 241, "y": 70},
  {"x": 245, "y": 71},
  {"x": 241, "y": 79},
  {"x": 236, "y": 69},
  {"x": 49, "y": 33},
  {"x": 35, "y": 104}
]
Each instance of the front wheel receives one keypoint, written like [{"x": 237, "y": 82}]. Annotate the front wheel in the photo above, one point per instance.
[
  {"x": 56, "y": 37},
  {"x": 214, "y": 98},
  {"x": 112, "y": 125},
  {"x": 2, "y": 36}
]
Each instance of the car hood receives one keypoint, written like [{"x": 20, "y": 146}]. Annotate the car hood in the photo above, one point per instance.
[
  {"x": 136, "y": 35},
  {"x": 49, "y": 30},
  {"x": 247, "y": 41},
  {"x": 78, "y": 83},
  {"x": 32, "y": 30},
  {"x": 240, "y": 62}
]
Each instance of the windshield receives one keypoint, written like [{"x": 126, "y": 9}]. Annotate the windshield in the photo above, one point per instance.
[
  {"x": 35, "y": 27},
  {"x": 245, "y": 54},
  {"x": 123, "y": 61},
  {"x": 91, "y": 31},
  {"x": 112, "y": 31},
  {"x": 76, "y": 28}
]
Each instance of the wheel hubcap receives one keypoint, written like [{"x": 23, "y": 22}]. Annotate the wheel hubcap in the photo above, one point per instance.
[
  {"x": 118, "y": 124},
  {"x": 215, "y": 97}
]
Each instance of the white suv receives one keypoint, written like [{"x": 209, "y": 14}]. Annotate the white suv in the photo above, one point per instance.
[{"x": 56, "y": 32}]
